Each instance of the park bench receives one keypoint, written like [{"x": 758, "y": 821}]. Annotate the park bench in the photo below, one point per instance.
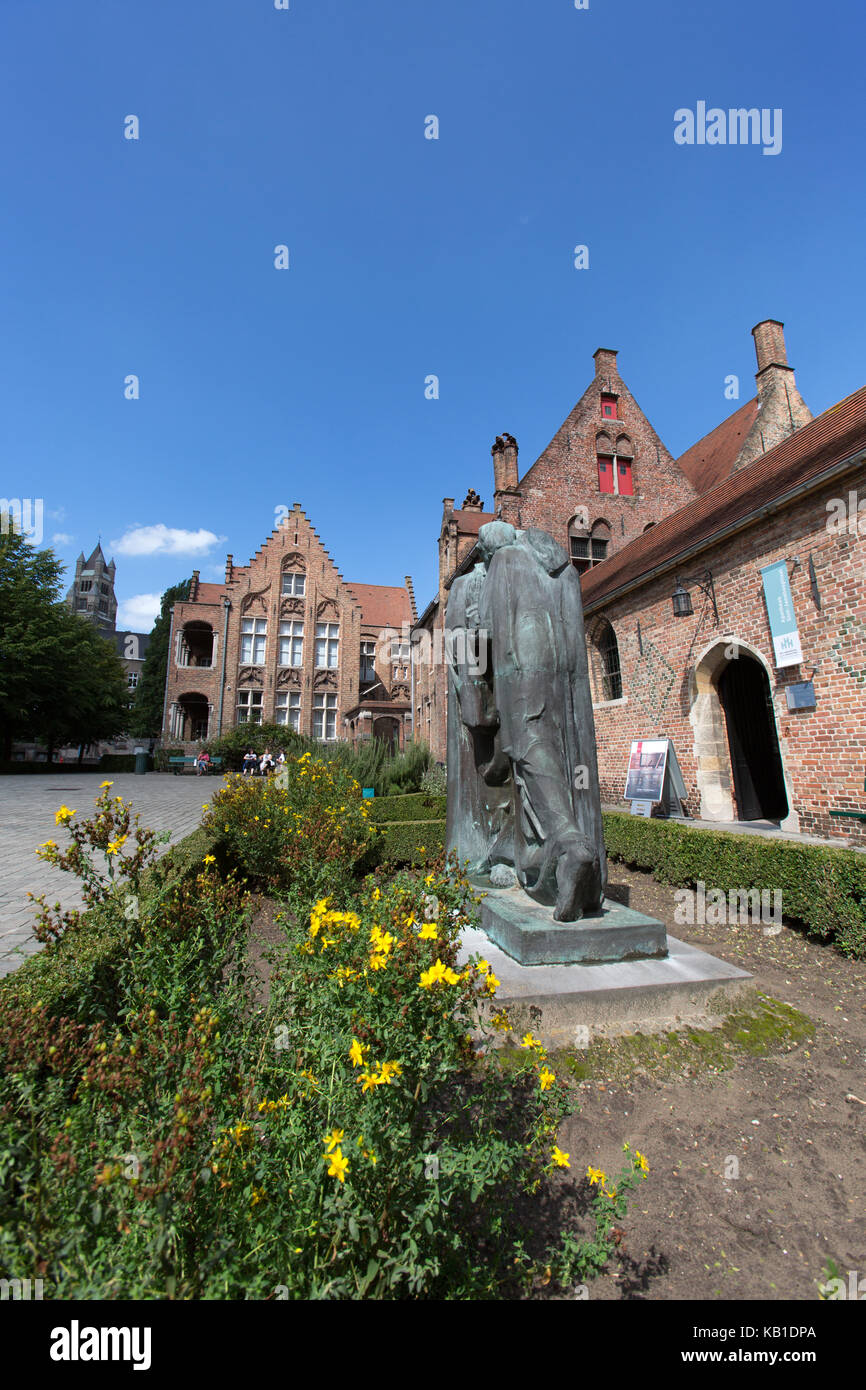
[{"x": 178, "y": 765}]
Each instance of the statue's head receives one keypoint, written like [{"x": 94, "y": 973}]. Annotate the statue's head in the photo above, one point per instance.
[
  {"x": 493, "y": 536},
  {"x": 548, "y": 551}
]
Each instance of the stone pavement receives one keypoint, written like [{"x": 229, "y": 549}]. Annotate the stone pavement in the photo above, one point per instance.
[{"x": 27, "y": 807}]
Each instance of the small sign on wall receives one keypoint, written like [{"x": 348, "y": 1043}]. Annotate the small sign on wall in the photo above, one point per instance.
[
  {"x": 641, "y": 808},
  {"x": 800, "y": 695}
]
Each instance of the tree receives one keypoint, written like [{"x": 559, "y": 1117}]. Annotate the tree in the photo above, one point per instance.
[
  {"x": 90, "y": 698},
  {"x": 60, "y": 680},
  {"x": 30, "y": 657},
  {"x": 146, "y": 721}
]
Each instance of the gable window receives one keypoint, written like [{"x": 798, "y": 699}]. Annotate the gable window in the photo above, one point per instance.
[
  {"x": 253, "y": 641},
  {"x": 624, "y": 481},
  {"x": 288, "y": 709},
  {"x": 605, "y": 474},
  {"x": 291, "y": 644},
  {"x": 325, "y": 717},
  {"x": 327, "y": 644},
  {"x": 608, "y": 406},
  {"x": 249, "y": 707},
  {"x": 294, "y": 584}
]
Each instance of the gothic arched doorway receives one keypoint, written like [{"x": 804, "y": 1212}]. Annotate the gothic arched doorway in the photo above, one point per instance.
[{"x": 756, "y": 763}]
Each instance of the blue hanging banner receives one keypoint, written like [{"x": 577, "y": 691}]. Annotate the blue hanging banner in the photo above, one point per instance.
[{"x": 780, "y": 611}]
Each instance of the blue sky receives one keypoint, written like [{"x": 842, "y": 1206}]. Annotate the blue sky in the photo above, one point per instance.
[{"x": 408, "y": 257}]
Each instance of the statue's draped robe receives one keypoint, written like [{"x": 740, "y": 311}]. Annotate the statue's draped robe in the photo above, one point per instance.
[
  {"x": 531, "y": 607},
  {"x": 479, "y": 793}
]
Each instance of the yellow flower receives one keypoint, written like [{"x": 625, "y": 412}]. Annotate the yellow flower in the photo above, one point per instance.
[
  {"x": 546, "y": 1078},
  {"x": 428, "y": 880},
  {"x": 491, "y": 984},
  {"x": 560, "y": 1158},
  {"x": 338, "y": 1166},
  {"x": 428, "y": 932},
  {"x": 333, "y": 1140},
  {"x": 387, "y": 1071},
  {"x": 63, "y": 815},
  {"x": 49, "y": 844},
  {"x": 529, "y": 1041},
  {"x": 641, "y": 1161},
  {"x": 210, "y": 859},
  {"x": 105, "y": 784},
  {"x": 356, "y": 1053},
  {"x": 258, "y": 1195},
  {"x": 596, "y": 1175},
  {"x": 368, "y": 1080},
  {"x": 610, "y": 1194},
  {"x": 377, "y": 893}
]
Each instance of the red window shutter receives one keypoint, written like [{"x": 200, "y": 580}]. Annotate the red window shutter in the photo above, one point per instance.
[
  {"x": 605, "y": 475},
  {"x": 626, "y": 485}
]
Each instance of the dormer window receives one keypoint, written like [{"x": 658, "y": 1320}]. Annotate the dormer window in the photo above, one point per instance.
[{"x": 608, "y": 406}]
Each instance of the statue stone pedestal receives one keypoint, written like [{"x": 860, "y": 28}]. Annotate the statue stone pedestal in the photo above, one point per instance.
[{"x": 527, "y": 932}]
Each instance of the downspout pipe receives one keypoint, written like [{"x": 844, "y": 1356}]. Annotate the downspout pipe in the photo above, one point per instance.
[{"x": 227, "y": 603}]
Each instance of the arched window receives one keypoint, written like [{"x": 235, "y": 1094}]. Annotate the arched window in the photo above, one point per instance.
[
  {"x": 604, "y": 660},
  {"x": 588, "y": 546}
]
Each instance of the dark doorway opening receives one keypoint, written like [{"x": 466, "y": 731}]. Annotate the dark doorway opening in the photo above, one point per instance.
[{"x": 759, "y": 783}]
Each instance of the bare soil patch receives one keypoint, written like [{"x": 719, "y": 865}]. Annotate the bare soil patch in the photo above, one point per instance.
[{"x": 784, "y": 1112}]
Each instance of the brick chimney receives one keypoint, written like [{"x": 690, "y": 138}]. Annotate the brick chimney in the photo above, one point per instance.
[
  {"x": 193, "y": 586},
  {"x": 605, "y": 364},
  {"x": 781, "y": 408},
  {"x": 230, "y": 569},
  {"x": 504, "y": 453}
]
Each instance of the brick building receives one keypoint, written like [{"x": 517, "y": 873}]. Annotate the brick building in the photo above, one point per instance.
[
  {"x": 754, "y": 491},
  {"x": 286, "y": 640}
]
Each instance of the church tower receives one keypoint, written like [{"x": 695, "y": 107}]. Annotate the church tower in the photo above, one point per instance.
[{"x": 92, "y": 591}]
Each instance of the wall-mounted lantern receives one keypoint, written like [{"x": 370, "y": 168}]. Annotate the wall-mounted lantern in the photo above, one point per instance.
[{"x": 682, "y": 599}]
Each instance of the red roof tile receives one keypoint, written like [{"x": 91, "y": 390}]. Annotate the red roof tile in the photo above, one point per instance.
[
  {"x": 710, "y": 460},
  {"x": 803, "y": 456},
  {"x": 210, "y": 593},
  {"x": 382, "y": 605},
  {"x": 470, "y": 523}
]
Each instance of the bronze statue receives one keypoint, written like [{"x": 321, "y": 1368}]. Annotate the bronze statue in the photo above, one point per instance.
[{"x": 523, "y": 777}]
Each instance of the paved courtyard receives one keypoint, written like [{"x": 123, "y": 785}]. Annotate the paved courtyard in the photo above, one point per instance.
[{"x": 27, "y": 808}]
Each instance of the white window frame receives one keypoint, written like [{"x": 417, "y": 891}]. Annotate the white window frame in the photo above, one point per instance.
[
  {"x": 325, "y": 717},
  {"x": 288, "y": 709},
  {"x": 327, "y": 646},
  {"x": 291, "y": 644},
  {"x": 254, "y": 641}
]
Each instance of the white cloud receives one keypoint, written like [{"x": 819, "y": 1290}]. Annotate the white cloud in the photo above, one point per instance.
[
  {"x": 61, "y": 538},
  {"x": 139, "y": 613},
  {"x": 165, "y": 540}
]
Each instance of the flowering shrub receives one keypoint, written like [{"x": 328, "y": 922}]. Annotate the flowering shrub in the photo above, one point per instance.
[
  {"x": 352, "y": 1138},
  {"x": 113, "y": 835},
  {"x": 301, "y": 829}
]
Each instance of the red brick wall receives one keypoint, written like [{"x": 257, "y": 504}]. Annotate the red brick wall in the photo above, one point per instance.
[{"x": 823, "y": 750}]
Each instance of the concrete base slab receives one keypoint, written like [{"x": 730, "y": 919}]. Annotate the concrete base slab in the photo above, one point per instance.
[
  {"x": 568, "y": 1005},
  {"x": 527, "y": 932}
]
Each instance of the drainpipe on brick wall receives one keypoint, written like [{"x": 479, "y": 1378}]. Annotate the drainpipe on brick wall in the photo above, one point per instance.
[
  {"x": 167, "y": 669},
  {"x": 227, "y": 603}
]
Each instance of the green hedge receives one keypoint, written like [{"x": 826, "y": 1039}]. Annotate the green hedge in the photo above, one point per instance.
[
  {"x": 413, "y": 806},
  {"x": 411, "y": 842},
  {"x": 823, "y": 890},
  {"x": 121, "y": 762}
]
